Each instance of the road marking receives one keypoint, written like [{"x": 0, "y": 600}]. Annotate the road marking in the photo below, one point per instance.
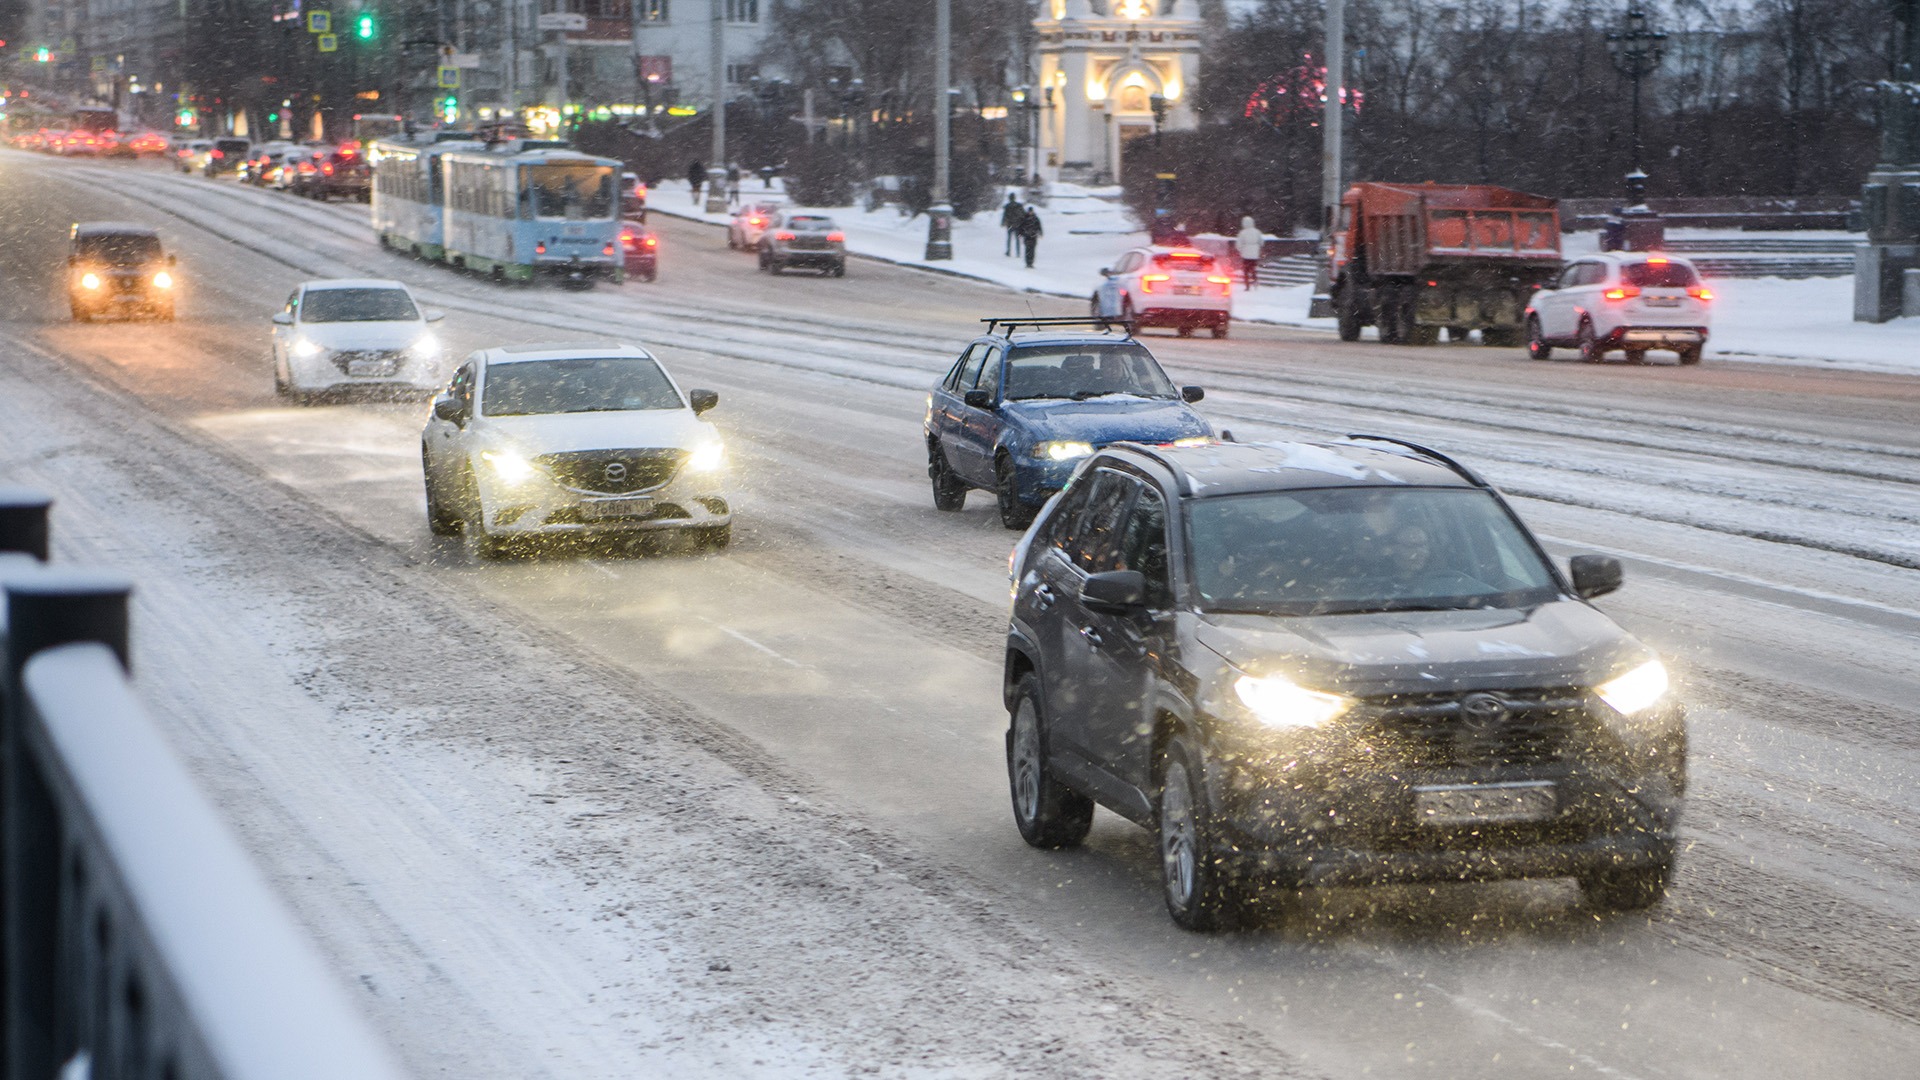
[
  {"x": 1468, "y": 1004},
  {"x": 744, "y": 639}
]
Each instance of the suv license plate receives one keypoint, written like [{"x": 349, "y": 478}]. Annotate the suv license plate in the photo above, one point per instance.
[
  {"x": 1187, "y": 290},
  {"x": 606, "y": 509},
  {"x": 366, "y": 367},
  {"x": 1472, "y": 804},
  {"x": 1663, "y": 301}
]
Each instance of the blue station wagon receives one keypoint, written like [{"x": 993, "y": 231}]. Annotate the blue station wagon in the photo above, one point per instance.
[{"x": 1031, "y": 397}]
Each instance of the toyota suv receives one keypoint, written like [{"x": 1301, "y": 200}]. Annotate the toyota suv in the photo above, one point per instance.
[
  {"x": 1341, "y": 664},
  {"x": 115, "y": 268}
]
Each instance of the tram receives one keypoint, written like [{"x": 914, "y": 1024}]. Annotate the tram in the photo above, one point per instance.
[
  {"x": 518, "y": 209},
  {"x": 409, "y": 190}
]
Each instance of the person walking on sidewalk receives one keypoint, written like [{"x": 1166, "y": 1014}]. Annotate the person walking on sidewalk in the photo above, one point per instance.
[
  {"x": 1010, "y": 217},
  {"x": 1249, "y": 242},
  {"x": 733, "y": 184},
  {"x": 696, "y": 176},
  {"x": 1030, "y": 231}
]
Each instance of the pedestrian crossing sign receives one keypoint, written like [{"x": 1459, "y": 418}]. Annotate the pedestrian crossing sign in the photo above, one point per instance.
[
  {"x": 449, "y": 78},
  {"x": 328, "y": 42},
  {"x": 319, "y": 22}
]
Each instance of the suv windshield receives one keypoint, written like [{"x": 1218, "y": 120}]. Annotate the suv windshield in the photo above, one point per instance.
[
  {"x": 357, "y": 305},
  {"x": 1085, "y": 371},
  {"x": 118, "y": 249},
  {"x": 1665, "y": 275},
  {"x": 586, "y": 384},
  {"x": 1196, "y": 261},
  {"x": 1345, "y": 550}
]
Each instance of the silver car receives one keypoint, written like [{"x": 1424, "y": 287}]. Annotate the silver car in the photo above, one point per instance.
[
  {"x": 804, "y": 239},
  {"x": 335, "y": 335}
]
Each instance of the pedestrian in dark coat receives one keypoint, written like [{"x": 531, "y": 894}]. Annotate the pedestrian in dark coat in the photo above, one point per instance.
[
  {"x": 1030, "y": 233},
  {"x": 1010, "y": 218},
  {"x": 696, "y": 176}
]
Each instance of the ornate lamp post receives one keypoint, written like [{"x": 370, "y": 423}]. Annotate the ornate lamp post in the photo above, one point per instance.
[
  {"x": 1158, "y": 103},
  {"x": 1636, "y": 53}
]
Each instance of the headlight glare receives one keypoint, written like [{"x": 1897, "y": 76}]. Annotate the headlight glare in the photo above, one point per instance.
[
  {"x": 163, "y": 280},
  {"x": 1063, "y": 450},
  {"x": 305, "y": 347},
  {"x": 1636, "y": 691},
  {"x": 89, "y": 280},
  {"x": 707, "y": 457},
  {"x": 1194, "y": 440},
  {"x": 508, "y": 465},
  {"x": 425, "y": 348},
  {"x": 1279, "y": 703}
]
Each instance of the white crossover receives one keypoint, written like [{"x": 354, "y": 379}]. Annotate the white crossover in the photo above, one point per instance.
[
  {"x": 1167, "y": 286},
  {"x": 354, "y": 333},
  {"x": 549, "y": 440},
  {"x": 1633, "y": 302}
]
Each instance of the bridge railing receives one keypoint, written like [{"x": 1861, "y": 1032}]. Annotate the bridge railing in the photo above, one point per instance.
[{"x": 140, "y": 942}]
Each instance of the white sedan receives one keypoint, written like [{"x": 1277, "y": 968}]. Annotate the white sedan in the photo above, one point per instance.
[
  {"x": 1167, "y": 286},
  {"x": 336, "y": 335},
  {"x": 532, "y": 441}
]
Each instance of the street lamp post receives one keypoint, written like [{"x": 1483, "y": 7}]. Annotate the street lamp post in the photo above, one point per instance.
[
  {"x": 1636, "y": 53},
  {"x": 717, "y": 161},
  {"x": 939, "y": 211}
]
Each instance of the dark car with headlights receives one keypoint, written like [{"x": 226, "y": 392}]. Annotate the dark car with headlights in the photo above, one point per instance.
[
  {"x": 116, "y": 268},
  {"x": 1030, "y": 398},
  {"x": 1341, "y": 664}
]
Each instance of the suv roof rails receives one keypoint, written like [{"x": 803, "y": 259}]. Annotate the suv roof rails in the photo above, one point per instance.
[
  {"x": 1428, "y": 452},
  {"x": 1009, "y": 325}
]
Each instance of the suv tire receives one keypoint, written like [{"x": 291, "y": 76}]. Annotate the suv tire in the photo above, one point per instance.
[
  {"x": 1047, "y": 813},
  {"x": 1195, "y": 880},
  {"x": 1014, "y": 514},
  {"x": 949, "y": 491},
  {"x": 1590, "y": 350},
  {"x": 1690, "y": 354},
  {"x": 1628, "y": 890},
  {"x": 1537, "y": 347}
]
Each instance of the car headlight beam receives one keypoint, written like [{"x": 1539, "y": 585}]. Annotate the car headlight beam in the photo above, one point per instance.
[
  {"x": 1063, "y": 450},
  {"x": 1281, "y": 703},
  {"x": 1636, "y": 691},
  {"x": 509, "y": 465},
  {"x": 707, "y": 457},
  {"x": 426, "y": 347},
  {"x": 89, "y": 280},
  {"x": 163, "y": 280},
  {"x": 306, "y": 347}
]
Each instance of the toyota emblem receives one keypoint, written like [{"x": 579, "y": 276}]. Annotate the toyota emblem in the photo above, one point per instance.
[
  {"x": 1482, "y": 713},
  {"x": 615, "y": 472}
]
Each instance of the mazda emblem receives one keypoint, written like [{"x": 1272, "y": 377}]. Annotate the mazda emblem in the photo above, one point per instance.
[
  {"x": 615, "y": 472},
  {"x": 1481, "y": 713}
]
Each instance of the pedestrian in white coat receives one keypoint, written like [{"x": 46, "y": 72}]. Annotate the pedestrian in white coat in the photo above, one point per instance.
[{"x": 1248, "y": 242}]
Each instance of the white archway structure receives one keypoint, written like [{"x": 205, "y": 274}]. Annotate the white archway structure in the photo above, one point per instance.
[{"x": 1102, "y": 62}]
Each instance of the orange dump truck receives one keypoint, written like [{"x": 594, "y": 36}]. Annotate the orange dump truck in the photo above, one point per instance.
[{"x": 1415, "y": 258}]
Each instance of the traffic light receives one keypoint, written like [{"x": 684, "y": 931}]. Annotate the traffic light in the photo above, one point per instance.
[
  {"x": 450, "y": 108},
  {"x": 364, "y": 27},
  {"x": 42, "y": 54}
]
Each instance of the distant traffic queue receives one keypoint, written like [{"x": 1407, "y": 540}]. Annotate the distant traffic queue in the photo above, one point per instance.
[{"x": 510, "y": 210}]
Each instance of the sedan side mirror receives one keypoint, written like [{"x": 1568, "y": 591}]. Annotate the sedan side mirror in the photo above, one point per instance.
[
  {"x": 173, "y": 260},
  {"x": 979, "y": 399},
  {"x": 1115, "y": 592},
  {"x": 448, "y": 409},
  {"x": 1106, "y": 271},
  {"x": 283, "y": 318},
  {"x": 1595, "y": 575},
  {"x": 1192, "y": 393},
  {"x": 702, "y": 400},
  {"x": 433, "y": 315}
]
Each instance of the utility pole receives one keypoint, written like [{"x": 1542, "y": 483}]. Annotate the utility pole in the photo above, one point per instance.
[
  {"x": 717, "y": 159},
  {"x": 1330, "y": 146},
  {"x": 510, "y": 49},
  {"x": 939, "y": 211}
]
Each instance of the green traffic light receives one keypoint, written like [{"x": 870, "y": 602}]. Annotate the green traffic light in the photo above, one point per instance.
[{"x": 365, "y": 28}]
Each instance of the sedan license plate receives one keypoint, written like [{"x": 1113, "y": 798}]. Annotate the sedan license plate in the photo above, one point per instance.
[
  {"x": 610, "y": 509},
  {"x": 1474, "y": 804},
  {"x": 1663, "y": 301},
  {"x": 366, "y": 367},
  {"x": 1186, "y": 290}
]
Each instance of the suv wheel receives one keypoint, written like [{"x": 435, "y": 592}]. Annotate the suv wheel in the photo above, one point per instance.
[
  {"x": 1628, "y": 890},
  {"x": 1048, "y": 814},
  {"x": 1537, "y": 347},
  {"x": 1690, "y": 354},
  {"x": 1590, "y": 350},
  {"x": 1014, "y": 514},
  {"x": 441, "y": 521},
  {"x": 1195, "y": 880},
  {"x": 949, "y": 491}
]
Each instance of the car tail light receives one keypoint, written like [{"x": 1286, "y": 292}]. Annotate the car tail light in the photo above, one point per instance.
[
  {"x": 1433, "y": 284},
  {"x": 540, "y": 249},
  {"x": 1658, "y": 260},
  {"x": 1700, "y": 292},
  {"x": 783, "y": 236},
  {"x": 1219, "y": 279},
  {"x": 653, "y": 241},
  {"x": 217, "y": 155},
  {"x": 1147, "y": 280},
  {"x": 608, "y": 250},
  {"x": 1622, "y": 292},
  {"x": 836, "y": 238},
  {"x": 756, "y": 222},
  {"x": 327, "y": 168},
  {"x": 626, "y": 240}
]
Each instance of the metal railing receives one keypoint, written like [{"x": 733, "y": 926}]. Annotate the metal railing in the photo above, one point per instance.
[{"x": 140, "y": 942}]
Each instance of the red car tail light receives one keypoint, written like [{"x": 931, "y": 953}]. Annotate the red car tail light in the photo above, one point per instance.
[
  {"x": 1622, "y": 292},
  {"x": 1700, "y": 292},
  {"x": 756, "y": 222},
  {"x": 653, "y": 241},
  {"x": 217, "y": 155},
  {"x": 1147, "y": 280},
  {"x": 540, "y": 249},
  {"x": 608, "y": 250},
  {"x": 626, "y": 240},
  {"x": 836, "y": 238},
  {"x": 783, "y": 236}
]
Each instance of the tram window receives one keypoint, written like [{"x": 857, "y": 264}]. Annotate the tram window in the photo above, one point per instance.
[{"x": 572, "y": 192}]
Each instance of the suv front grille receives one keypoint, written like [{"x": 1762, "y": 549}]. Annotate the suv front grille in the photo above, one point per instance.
[
  {"x": 1486, "y": 729},
  {"x": 613, "y": 472}
]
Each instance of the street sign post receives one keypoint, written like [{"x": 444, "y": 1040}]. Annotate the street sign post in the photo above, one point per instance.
[
  {"x": 328, "y": 42},
  {"x": 564, "y": 21},
  {"x": 319, "y": 22},
  {"x": 449, "y": 78}
]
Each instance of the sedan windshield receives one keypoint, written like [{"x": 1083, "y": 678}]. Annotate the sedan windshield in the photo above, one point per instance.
[
  {"x": 1085, "y": 371},
  {"x": 357, "y": 305},
  {"x": 576, "y": 385},
  {"x": 1345, "y": 550}
]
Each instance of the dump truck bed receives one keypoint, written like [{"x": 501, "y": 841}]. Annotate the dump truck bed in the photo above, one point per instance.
[{"x": 1406, "y": 228}]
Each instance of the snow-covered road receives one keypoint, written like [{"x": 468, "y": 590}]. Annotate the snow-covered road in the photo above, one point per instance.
[{"x": 745, "y": 815}]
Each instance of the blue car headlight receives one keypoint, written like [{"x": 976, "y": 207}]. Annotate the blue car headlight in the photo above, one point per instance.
[{"x": 1062, "y": 450}]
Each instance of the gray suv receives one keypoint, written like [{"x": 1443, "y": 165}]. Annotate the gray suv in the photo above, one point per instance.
[{"x": 1339, "y": 664}]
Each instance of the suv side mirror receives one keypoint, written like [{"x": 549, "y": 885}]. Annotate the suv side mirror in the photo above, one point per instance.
[
  {"x": 702, "y": 400},
  {"x": 283, "y": 318},
  {"x": 979, "y": 399},
  {"x": 1106, "y": 271},
  {"x": 1192, "y": 393},
  {"x": 1595, "y": 575},
  {"x": 1115, "y": 592},
  {"x": 448, "y": 409},
  {"x": 433, "y": 315}
]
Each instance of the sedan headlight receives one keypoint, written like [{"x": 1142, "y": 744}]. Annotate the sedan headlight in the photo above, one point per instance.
[
  {"x": 1194, "y": 440},
  {"x": 425, "y": 348},
  {"x": 1063, "y": 451},
  {"x": 306, "y": 347},
  {"x": 1636, "y": 691},
  {"x": 707, "y": 457},
  {"x": 509, "y": 465},
  {"x": 1280, "y": 703},
  {"x": 163, "y": 280},
  {"x": 89, "y": 280}
]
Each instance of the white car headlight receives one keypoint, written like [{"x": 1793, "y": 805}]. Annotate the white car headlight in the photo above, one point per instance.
[
  {"x": 89, "y": 280},
  {"x": 163, "y": 280},
  {"x": 306, "y": 347},
  {"x": 1063, "y": 451},
  {"x": 1194, "y": 440},
  {"x": 425, "y": 348},
  {"x": 1636, "y": 691},
  {"x": 1280, "y": 703},
  {"x": 707, "y": 457},
  {"x": 509, "y": 465}
]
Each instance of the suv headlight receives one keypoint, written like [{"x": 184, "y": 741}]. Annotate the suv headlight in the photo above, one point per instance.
[
  {"x": 1636, "y": 691},
  {"x": 1063, "y": 450},
  {"x": 1281, "y": 703},
  {"x": 509, "y": 465},
  {"x": 163, "y": 280},
  {"x": 306, "y": 347},
  {"x": 707, "y": 457},
  {"x": 426, "y": 347}
]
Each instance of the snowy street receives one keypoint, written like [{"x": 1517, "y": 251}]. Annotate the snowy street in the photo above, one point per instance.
[{"x": 592, "y": 815}]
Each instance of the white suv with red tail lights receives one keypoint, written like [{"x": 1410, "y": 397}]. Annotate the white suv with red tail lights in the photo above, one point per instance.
[
  {"x": 1167, "y": 286},
  {"x": 1632, "y": 302}
]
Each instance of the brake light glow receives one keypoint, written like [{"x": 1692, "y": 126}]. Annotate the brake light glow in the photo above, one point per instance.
[
  {"x": 1622, "y": 292},
  {"x": 1186, "y": 255},
  {"x": 1700, "y": 292},
  {"x": 626, "y": 239},
  {"x": 217, "y": 155},
  {"x": 1219, "y": 279},
  {"x": 1658, "y": 260},
  {"x": 1147, "y": 280},
  {"x": 783, "y": 236},
  {"x": 756, "y": 221},
  {"x": 653, "y": 241},
  {"x": 540, "y": 249},
  {"x": 836, "y": 237},
  {"x": 608, "y": 250}
]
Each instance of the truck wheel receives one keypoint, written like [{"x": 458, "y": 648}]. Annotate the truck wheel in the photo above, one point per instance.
[
  {"x": 1347, "y": 312},
  {"x": 1590, "y": 350},
  {"x": 1502, "y": 337},
  {"x": 1537, "y": 347},
  {"x": 1386, "y": 314},
  {"x": 1422, "y": 335},
  {"x": 1458, "y": 334}
]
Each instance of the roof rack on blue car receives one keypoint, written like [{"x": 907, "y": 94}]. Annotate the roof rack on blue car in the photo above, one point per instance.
[
  {"x": 1428, "y": 452},
  {"x": 1048, "y": 322}
]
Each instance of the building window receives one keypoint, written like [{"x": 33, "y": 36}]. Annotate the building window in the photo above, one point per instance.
[
  {"x": 743, "y": 11},
  {"x": 741, "y": 74},
  {"x": 651, "y": 11}
]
